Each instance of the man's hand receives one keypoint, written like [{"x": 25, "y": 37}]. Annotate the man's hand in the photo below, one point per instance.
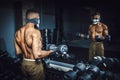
[
  {"x": 98, "y": 39},
  {"x": 108, "y": 38}
]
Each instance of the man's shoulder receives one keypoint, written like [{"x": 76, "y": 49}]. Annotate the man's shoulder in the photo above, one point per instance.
[
  {"x": 18, "y": 30},
  {"x": 104, "y": 25},
  {"x": 91, "y": 26},
  {"x": 35, "y": 32}
]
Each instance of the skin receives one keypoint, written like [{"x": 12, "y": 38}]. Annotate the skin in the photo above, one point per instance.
[
  {"x": 28, "y": 41},
  {"x": 99, "y": 29}
]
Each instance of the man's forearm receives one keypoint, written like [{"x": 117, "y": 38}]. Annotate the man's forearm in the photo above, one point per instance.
[{"x": 44, "y": 53}]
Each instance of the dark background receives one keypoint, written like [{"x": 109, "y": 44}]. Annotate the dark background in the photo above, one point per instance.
[{"x": 64, "y": 18}]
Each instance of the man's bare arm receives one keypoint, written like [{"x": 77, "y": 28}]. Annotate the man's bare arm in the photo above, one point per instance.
[
  {"x": 105, "y": 30},
  {"x": 36, "y": 47}
]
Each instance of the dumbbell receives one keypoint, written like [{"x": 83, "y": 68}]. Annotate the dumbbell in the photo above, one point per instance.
[
  {"x": 77, "y": 70},
  {"x": 51, "y": 47},
  {"x": 112, "y": 64},
  {"x": 59, "y": 51},
  {"x": 91, "y": 73},
  {"x": 106, "y": 38},
  {"x": 80, "y": 35},
  {"x": 106, "y": 63},
  {"x": 106, "y": 75},
  {"x": 98, "y": 61},
  {"x": 63, "y": 48},
  {"x": 60, "y": 48}
]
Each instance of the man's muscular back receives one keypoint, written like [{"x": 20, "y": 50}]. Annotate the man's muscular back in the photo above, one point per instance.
[
  {"x": 28, "y": 41},
  {"x": 24, "y": 39},
  {"x": 32, "y": 35}
]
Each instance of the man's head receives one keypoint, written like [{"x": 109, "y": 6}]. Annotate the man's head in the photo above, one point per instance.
[
  {"x": 32, "y": 13},
  {"x": 95, "y": 18},
  {"x": 32, "y": 16}
]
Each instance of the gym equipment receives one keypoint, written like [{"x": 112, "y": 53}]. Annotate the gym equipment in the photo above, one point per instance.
[
  {"x": 77, "y": 70},
  {"x": 106, "y": 63},
  {"x": 80, "y": 35},
  {"x": 46, "y": 37},
  {"x": 60, "y": 48},
  {"x": 81, "y": 71},
  {"x": 59, "y": 51},
  {"x": 60, "y": 66},
  {"x": 91, "y": 73},
  {"x": 52, "y": 47}
]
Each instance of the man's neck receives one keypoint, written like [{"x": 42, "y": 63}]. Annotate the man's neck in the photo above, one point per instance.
[{"x": 30, "y": 25}]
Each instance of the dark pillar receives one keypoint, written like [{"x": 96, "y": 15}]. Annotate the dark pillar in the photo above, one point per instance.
[
  {"x": 18, "y": 14},
  {"x": 58, "y": 37}
]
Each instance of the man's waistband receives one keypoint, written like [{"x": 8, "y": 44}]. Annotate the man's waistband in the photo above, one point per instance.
[
  {"x": 30, "y": 59},
  {"x": 98, "y": 41}
]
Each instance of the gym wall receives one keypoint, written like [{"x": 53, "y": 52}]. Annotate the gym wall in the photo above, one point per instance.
[{"x": 7, "y": 27}]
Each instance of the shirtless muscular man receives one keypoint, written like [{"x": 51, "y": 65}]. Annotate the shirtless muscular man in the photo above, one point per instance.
[
  {"x": 28, "y": 41},
  {"x": 97, "y": 32}
]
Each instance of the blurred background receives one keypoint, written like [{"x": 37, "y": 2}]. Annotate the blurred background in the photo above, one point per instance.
[{"x": 60, "y": 20}]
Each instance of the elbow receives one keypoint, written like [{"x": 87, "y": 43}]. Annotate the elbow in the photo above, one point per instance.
[{"x": 38, "y": 55}]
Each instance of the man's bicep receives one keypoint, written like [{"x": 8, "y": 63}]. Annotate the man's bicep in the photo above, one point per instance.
[{"x": 105, "y": 30}]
